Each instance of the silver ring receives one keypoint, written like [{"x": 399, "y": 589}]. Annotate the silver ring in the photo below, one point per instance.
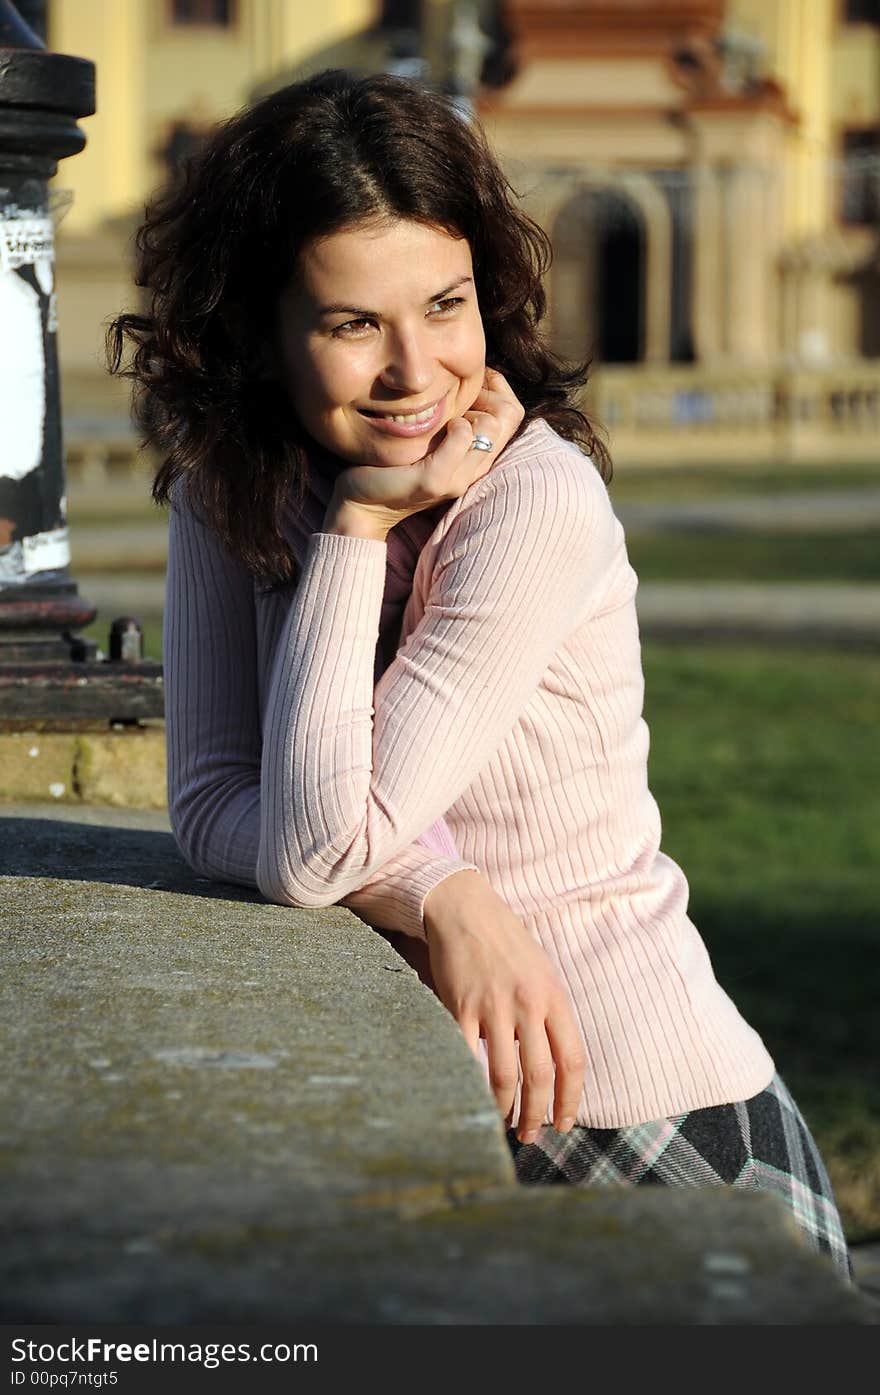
[{"x": 482, "y": 443}]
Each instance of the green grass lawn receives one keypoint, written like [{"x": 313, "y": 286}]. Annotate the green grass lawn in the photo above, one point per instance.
[
  {"x": 655, "y": 484},
  {"x": 153, "y": 636},
  {"x": 99, "y": 630},
  {"x": 785, "y": 557},
  {"x": 766, "y": 765},
  {"x": 659, "y": 484},
  {"x": 92, "y": 513},
  {"x": 766, "y": 768},
  {"x": 686, "y": 555}
]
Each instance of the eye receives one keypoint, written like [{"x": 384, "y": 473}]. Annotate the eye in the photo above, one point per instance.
[
  {"x": 353, "y": 329},
  {"x": 446, "y": 306}
]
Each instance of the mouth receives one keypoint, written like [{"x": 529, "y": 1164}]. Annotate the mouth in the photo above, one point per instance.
[{"x": 412, "y": 423}]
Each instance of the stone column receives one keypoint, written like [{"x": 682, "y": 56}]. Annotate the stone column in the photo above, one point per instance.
[
  {"x": 708, "y": 258},
  {"x": 750, "y": 335}
]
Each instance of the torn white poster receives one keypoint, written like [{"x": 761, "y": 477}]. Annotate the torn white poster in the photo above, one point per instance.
[
  {"x": 22, "y": 377},
  {"x": 25, "y": 238},
  {"x": 43, "y": 552},
  {"x": 46, "y": 552}
]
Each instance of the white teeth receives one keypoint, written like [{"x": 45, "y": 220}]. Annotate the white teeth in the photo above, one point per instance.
[{"x": 410, "y": 417}]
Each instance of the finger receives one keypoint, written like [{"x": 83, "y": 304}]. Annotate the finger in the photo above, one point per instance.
[
  {"x": 470, "y": 1030},
  {"x": 494, "y": 381},
  {"x": 497, "y": 387},
  {"x": 506, "y": 410},
  {"x": 497, "y": 395},
  {"x": 490, "y": 428},
  {"x": 569, "y": 1058},
  {"x": 503, "y": 1070},
  {"x": 454, "y": 448},
  {"x": 495, "y": 418},
  {"x": 455, "y": 465},
  {"x": 536, "y": 1063}
]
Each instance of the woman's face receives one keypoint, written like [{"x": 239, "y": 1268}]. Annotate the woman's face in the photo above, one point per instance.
[{"x": 381, "y": 340}]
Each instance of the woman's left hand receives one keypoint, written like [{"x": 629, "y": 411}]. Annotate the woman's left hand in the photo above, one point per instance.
[{"x": 368, "y": 500}]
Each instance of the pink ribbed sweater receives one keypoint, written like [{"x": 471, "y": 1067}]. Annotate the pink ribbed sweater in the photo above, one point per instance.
[{"x": 505, "y": 734}]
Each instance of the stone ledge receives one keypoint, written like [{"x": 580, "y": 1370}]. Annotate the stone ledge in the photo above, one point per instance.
[
  {"x": 295, "y": 1045},
  {"x": 221, "y": 1110},
  {"x": 530, "y": 1256}
]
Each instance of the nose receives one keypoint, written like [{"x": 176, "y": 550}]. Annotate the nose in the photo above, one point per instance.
[{"x": 409, "y": 366}]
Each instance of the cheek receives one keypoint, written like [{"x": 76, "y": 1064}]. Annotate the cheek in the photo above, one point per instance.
[
  {"x": 475, "y": 350},
  {"x": 474, "y": 360},
  {"x": 318, "y": 382}
]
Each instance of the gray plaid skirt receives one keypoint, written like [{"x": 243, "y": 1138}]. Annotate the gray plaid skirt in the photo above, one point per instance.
[{"x": 761, "y": 1143}]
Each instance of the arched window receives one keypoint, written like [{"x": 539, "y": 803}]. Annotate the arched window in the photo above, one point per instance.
[
  {"x": 217, "y": 13},
  {"x": 620, "y": 280},
  {"x": 598, "y": 286},
  {"x": 862, "y": 11}
]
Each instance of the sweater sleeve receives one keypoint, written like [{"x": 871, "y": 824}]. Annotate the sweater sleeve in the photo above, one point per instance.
[
  {"x": 347, "y": 785},
  {"x": 215, "y": 745}
]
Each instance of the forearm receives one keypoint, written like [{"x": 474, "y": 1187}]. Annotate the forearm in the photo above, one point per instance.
[
  {"x": 211, "y": 704},
  {"x": 353, "y": 770},
  {"x": 214, "y": 739},
  {"x": 317, "y": 754}
]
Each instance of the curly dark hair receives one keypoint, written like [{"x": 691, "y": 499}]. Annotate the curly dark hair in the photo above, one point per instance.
[{"x": 218, "y": 247}]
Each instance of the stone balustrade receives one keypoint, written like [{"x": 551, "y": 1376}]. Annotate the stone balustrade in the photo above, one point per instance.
[
  {"x": 681, "y": 413},
  {"x": 650, "y": 414}
]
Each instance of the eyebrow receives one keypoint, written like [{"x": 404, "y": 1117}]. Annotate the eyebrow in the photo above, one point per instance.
[{"x": 374, "y": 314}]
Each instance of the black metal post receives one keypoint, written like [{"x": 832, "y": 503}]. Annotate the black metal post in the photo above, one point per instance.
[{"x": 42, "y": 96}]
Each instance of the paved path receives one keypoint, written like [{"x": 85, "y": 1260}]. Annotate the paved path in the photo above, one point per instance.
[
  {"x": 143, "y": 543},
  {"x": 131, "y": 557},
  {"x": 845, "y": 613},
  {"x": 132, "y": 594},
  {"x": 814, "y": 511},
  {"x": 126, "y": 546}
]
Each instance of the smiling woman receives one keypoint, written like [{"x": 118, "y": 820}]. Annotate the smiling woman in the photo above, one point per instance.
[
  {"x": 241, "y": 244},
  {"x": 376, "y": 386},
  {"x": 401, "y": 650}
]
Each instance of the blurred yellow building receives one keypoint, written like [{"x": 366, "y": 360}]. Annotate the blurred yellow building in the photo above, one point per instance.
[{"x": 709, "y": 171}]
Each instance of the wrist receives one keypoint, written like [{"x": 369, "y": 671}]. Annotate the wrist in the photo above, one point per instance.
[
  {"x": 349, "y": 520},
  {"x": 443, "y": 900}
]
